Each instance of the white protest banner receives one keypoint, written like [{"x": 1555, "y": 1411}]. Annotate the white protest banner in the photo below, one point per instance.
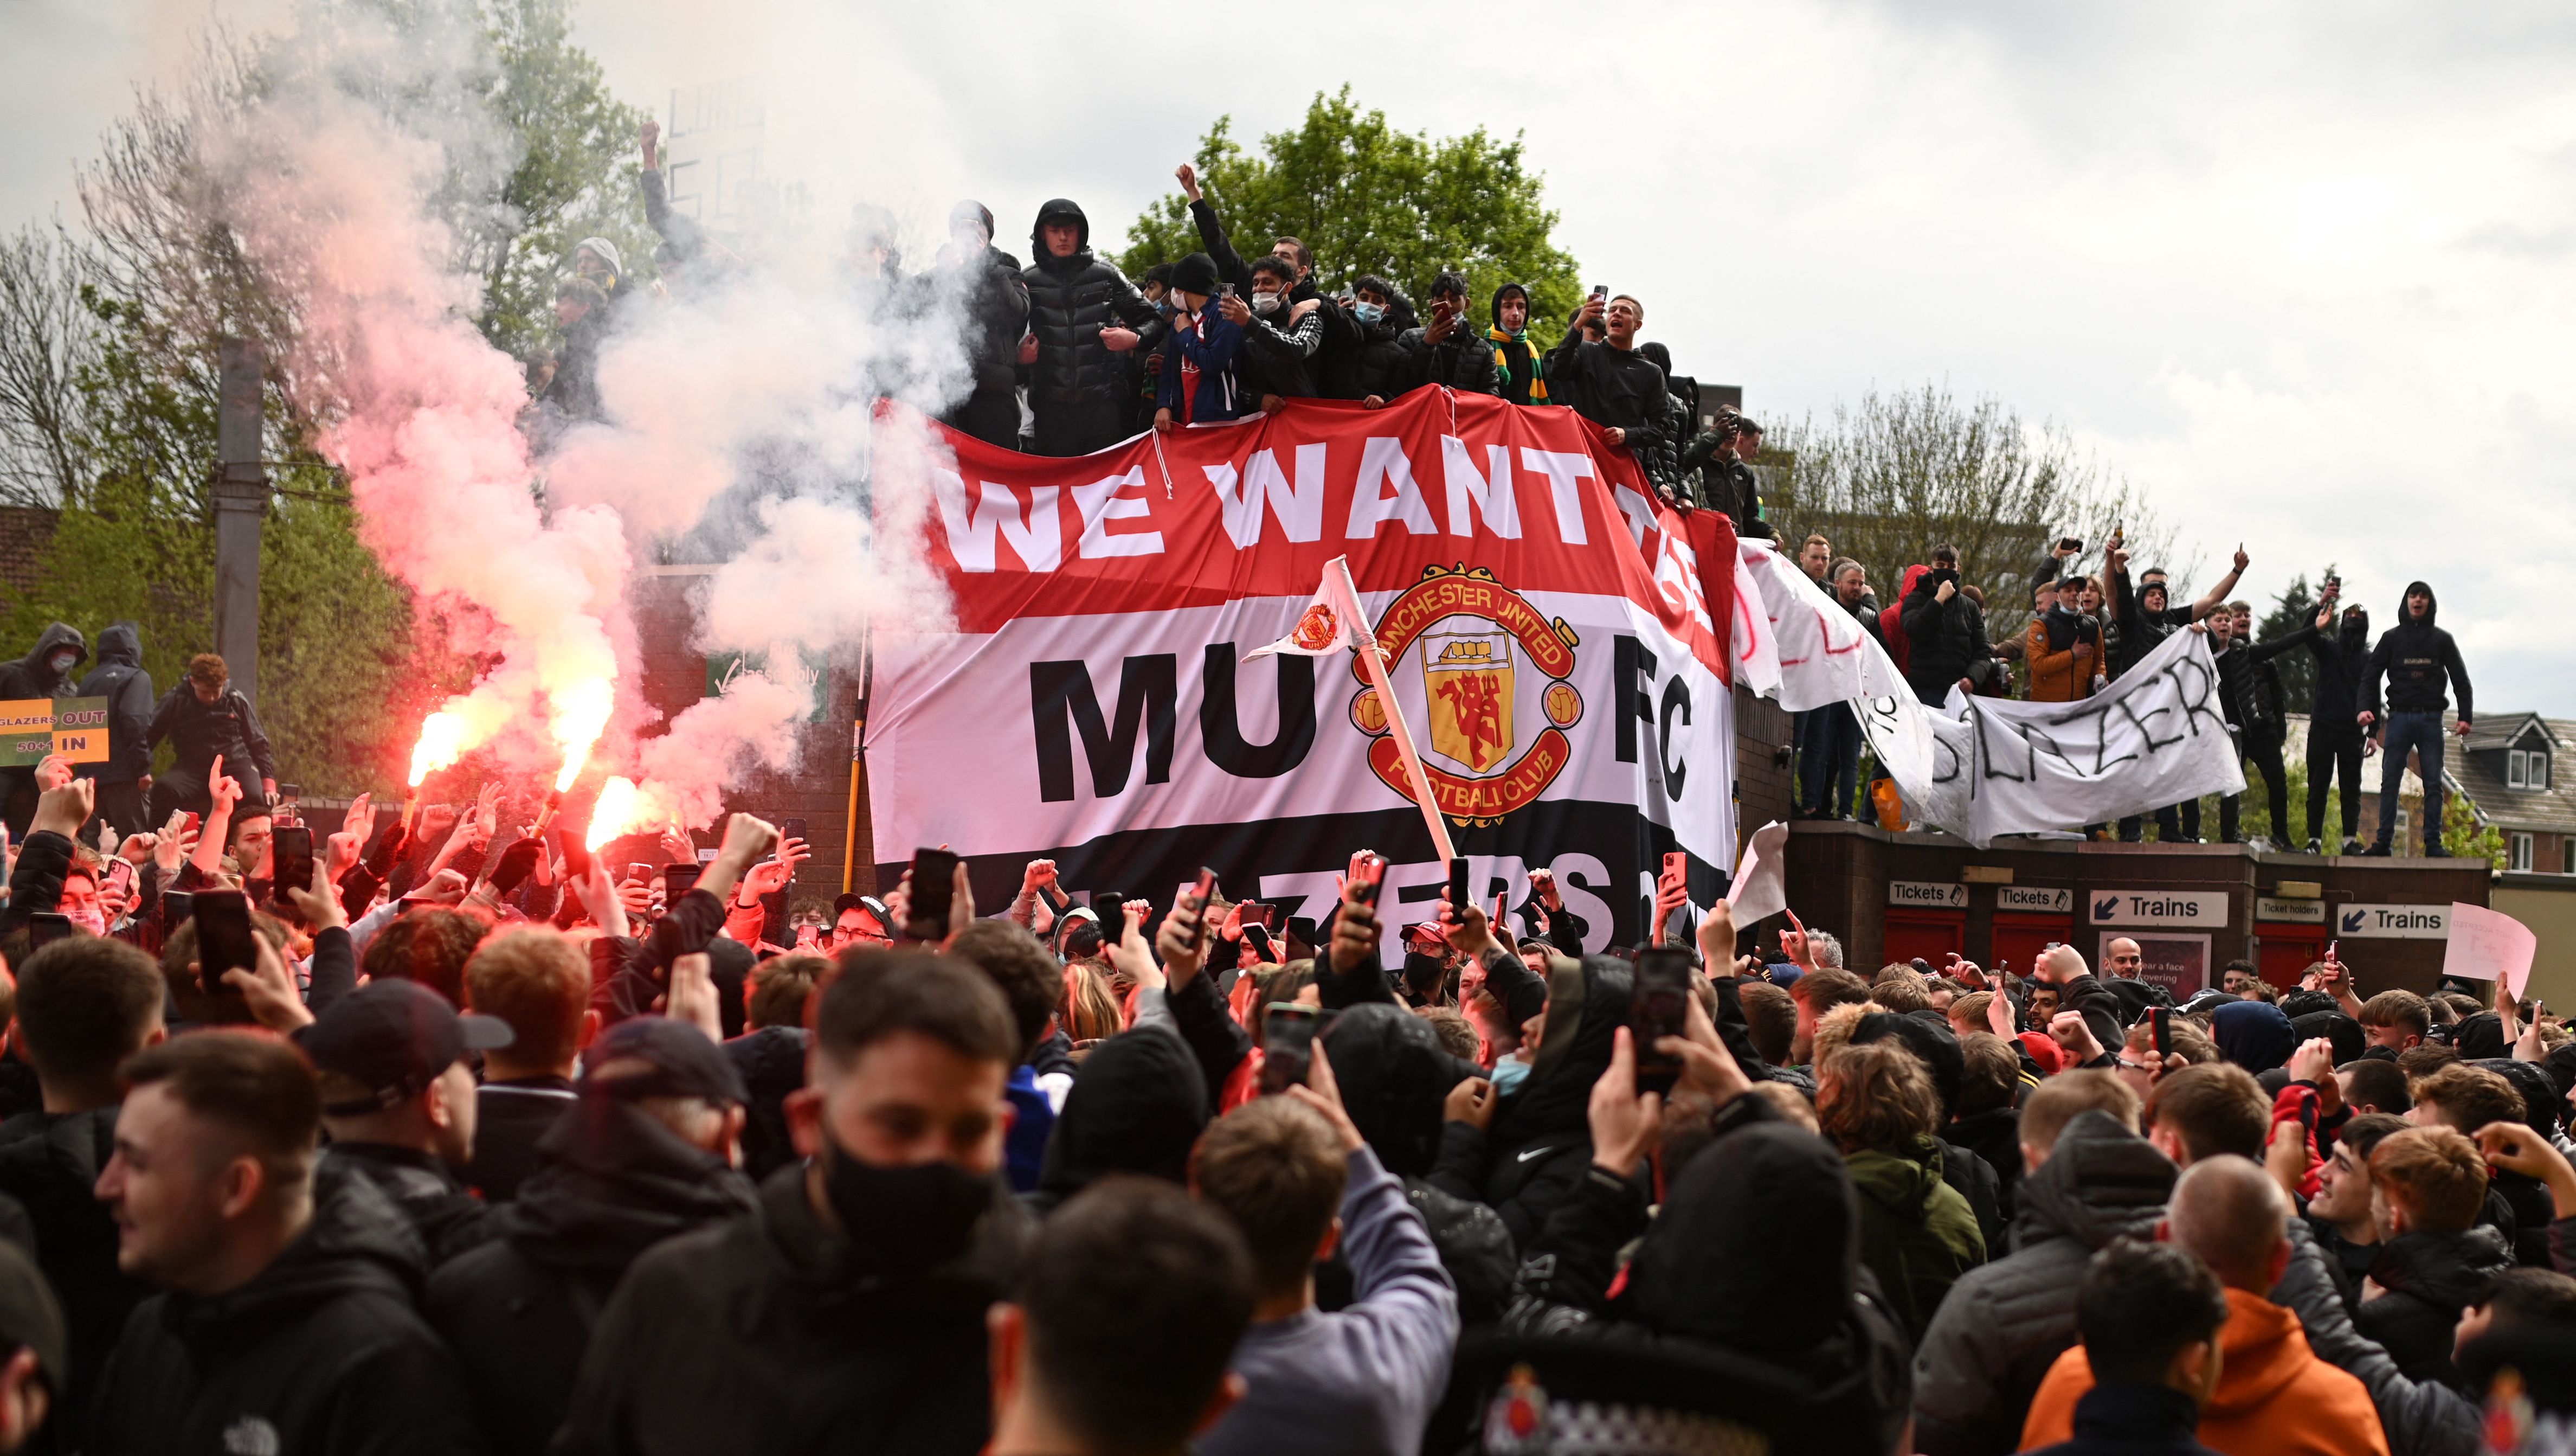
[
  {"x": 2489, "y": 945},
  {"x": 1824, "y": 654},
  {"x": 1761, "y": 885}
]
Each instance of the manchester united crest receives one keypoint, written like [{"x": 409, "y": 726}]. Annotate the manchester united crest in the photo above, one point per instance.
[{"x": 1493, "y": 672}]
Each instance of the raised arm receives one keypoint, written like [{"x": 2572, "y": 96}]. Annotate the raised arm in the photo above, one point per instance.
[{"x": 2210, "y": 599}]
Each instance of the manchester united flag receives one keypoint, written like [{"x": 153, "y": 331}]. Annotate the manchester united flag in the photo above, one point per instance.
[{"x": 1144, "y": 676}]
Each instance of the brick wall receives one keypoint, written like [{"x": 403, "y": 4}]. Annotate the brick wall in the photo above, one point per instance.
[{"x": 1763, "y": 791}]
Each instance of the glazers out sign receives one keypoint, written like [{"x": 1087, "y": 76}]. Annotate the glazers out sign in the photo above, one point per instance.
[{"x": 1553, "y": 638}]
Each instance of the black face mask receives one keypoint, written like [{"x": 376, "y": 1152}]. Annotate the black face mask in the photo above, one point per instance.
[{"x": 904, "y": 1219}]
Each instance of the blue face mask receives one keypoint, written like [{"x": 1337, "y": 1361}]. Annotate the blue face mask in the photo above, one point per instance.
[
  {"x": 1370, "y": 313},
  {"x": 1509, "y": 1073}
]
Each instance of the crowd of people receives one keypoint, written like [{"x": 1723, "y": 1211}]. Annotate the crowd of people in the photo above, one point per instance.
[
  {"x": 2084, "y": 632},
  {"x": 467, "y": 1142}
]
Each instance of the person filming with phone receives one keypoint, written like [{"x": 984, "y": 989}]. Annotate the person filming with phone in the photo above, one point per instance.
[{"x": 1614, "y": 386}]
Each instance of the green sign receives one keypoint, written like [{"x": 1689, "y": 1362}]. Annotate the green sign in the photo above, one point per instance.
[
  {"x": 37, "y": 728},
  {"x": 723, "y": 668}
]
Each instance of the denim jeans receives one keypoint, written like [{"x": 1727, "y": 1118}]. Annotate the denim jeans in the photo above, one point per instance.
[
  {"x": 1829, "y": 760},
  {"x": 2423, "y": 733}
]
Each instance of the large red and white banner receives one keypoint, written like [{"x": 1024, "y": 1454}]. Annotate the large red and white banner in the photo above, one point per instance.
[{"x": 1556, "y": 639}]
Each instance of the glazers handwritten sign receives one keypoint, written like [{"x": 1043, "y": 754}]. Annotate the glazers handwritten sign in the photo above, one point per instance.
[
  {"x": 33, "y": 728},
  {"x": 2206, "y": 908},
  {"x": 2393, "y": 922}
]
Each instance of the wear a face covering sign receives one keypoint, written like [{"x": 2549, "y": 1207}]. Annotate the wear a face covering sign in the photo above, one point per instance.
[{"x": 1555, "y": 640}]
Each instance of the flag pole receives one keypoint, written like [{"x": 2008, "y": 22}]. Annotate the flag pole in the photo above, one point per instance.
[{"x": 1375, "y": 666}]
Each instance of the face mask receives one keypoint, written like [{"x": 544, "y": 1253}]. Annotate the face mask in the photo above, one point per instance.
[
  {"x": 1265, "y": 303},
  {"x": 63, "y": 661},
  {"x": 1509, "y": 1073},
  {"x": 1370, "y": 313},
  {"x": 905, "y": 1218}
]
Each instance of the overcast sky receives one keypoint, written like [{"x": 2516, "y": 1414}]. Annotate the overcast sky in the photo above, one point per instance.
[{"x": 2303, "y": 271}]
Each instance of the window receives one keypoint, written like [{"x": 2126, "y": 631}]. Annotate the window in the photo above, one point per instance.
[
  {"x": 2519, "y": 856},
  {"x": 2517, "y": 771},
  {"x": 2567, "y": 854},
  {"x": 2538, "y": 771}
]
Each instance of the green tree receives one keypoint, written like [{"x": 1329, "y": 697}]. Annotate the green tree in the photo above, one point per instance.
[
  {"x": 1366, "y": 197},
  {"x": 2465, "y": 836},
  {"x": 576, "y": 173}
]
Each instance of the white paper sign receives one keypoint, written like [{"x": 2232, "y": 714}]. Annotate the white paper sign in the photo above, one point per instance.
[
  {"x": 2489, "y": 945},
  {"x": 2202, "y": 908},
  {"x": 1761, "y": 885},
  {"x": 2392, "y": 922}
]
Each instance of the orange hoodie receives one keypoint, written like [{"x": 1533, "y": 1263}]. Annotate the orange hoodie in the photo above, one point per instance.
[{"x": 2275, "y": 1397}]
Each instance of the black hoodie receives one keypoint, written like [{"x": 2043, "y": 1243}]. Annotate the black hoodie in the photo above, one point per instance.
[
  {"x": 1137, "y": 1106},
  {"x": 32, "y": 676},
  {"x": 53, "y": 1171},
  {"x": 1518, "y": 366},
  {"x": 120, "y": 678},
  {"x": 1540, "y": 1141},
  {"x": 2414, "y": 655},
  {"x": 610, "y": 1183},
  {"x": 2342, "y": 660},
  {"x": 320, "y": 1352},
  {"x": 2430, "y": 1278}
]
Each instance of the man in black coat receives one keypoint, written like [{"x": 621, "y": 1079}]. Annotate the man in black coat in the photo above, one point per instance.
[
  {"x": 1447, "y": 351},
  {"x": 646, "y": 1154},
  {"x": 2429, "y": 1185},
  {"x": 2144, "y": 618},
  {"x": 127, "y": 773},
  {"x": 45, "y": 672},
  {"x": 2415, "y": 656},
  {"x": 1947, "y": 631},
  {"x": 2250, "y": 686},
  {"x": 1081, "y": 311},
  {"x": 2334, "y": 728},
  {"x": 206, "y": 718},
  {"x": 984, "y": 285},
  {"x": 848, "y": 1311},
  {"x": 1610, "y": 383},
  {"x": 286, "y": 1323}
]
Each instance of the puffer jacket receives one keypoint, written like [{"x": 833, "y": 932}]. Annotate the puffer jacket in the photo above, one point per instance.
[
  {"x": 1948, "y": 638},
  {"x": 2003, "y": 1324},
  {"x": 2429, "y": 1279},
  {"x": 2062, "y": 673},
  {"x": 1076, "y": 388},
  {"x": 320, "y": 1352},
  {"x": 1462, "y": 361}
]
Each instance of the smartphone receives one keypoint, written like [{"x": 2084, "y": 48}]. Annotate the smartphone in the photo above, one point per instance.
[
  {"x": 1677, "y": 866},
  {"x": 224, "y": 938},
  {"x": 1257, "y": 936},
  {"x": 680, "y": 879},
  {"x": 2070, "y": 543},
  {"x": 120, "y": 875},
  {"x": 576, "y": 855},
  {"x": 1257, "y": 913},
  {"x": 934, "y": 888},
  {"x": 195, "y": 821},
  {"x": 1287, "y": 1044},
  {"x": 1460, "y": 896},
  {"x": 1200, "y": 894},
  {"x": 1368, "y": 871},
  {"x": 1658, "y": 1006},
  {"x": 792, "y": 827},
  {"x": 1600, "y": 290},
  {"x": 44, "y": 929},
  {"x": 2160, "y": 1021},
  {"x": 176, "y": 908},
  {"x": 291, "y": 845},
  {"x": 637, "y": 871}
]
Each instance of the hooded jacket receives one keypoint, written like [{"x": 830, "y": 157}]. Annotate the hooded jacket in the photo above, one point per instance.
[
  {"x": 320, "y": 1352},
  {"x": 2002, "y": 1324},
  {"x": 120, "y": 678},
  {"x": 1918, "y": 1234},
  {"x": 1207, "y": 354},
  {"x": 33, "y": 676},
  {"x": 1805, "y": 1317},
  {"x": 1137, "y": 1106},
  {"x": 773, "y": 1333},
  {"x": 2274, "y": 1398},
  {"x": 992, "y": 296},
  {"x": 1076, "y": 383},
  {"x": 1540, "y": 1141},
  {"x": 425, "y": 1189},
  {"x": 2429, "y": 1279},
  {"x": 2414, "y": 656},
  {"x": 2064, "y": 650},
  {"x": 611, "y": 1183},
  {"x": 2142, "y": 630},
  {"x": 2342, "y": 661},
  {"x": 2252, "y": 1034},
  {"x": 53, "y": 1172},
  {"x": 2252, "y": 683},
  {"x": 200, "y": 732},
  {"x": 1949, "y": 638},
  {"x": 1519, "y": 369},
  {"x": 772, "y": 1063}
]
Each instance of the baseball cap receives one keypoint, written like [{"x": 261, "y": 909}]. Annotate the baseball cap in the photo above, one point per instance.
[
  {"x": 31, "y": 1316},
  {"x": 394, "y": 1037},
  {"x": 679, "y": 1062},
  {"x": 870, "y": 903}
]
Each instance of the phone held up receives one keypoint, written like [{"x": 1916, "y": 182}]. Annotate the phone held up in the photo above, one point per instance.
[
  {"x": 224, "y": 937},
  {"x": 934, "y": 889},
  {"x": 1287, "y": 1044},
  {"x": 1367, "y": 873},
  {"x": 1658, "y": 1008}
]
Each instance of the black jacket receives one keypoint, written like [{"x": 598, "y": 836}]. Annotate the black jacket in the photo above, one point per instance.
[
  {"x": 1725, "y": 482},
  {"x": 2414, "y": 655},
  {"x": 772, "y": 1063},
  {"x": 120, "y": 678},
  {"x": 50, "y": 1164},
  {"x": 32, "y": 676},
  {"x": 992, "y": 296},
  {"x": 1621, "y": 389},
  {"x": 770, "y": 1333},
  {"x": 2004, "y": 1323},
  {"x": 2133, "y": 1420},
  {"x": 1137, "y": 1106},
  {"x": 2252, "y": 683},
  {"x": 1373, "y": 362},
  {"x": 1540, "y": 1141},
  {"x": 1994, "y": 1136},
  {"x": 1948, "y": 639},
  {"x": 1464, "y": 361},
  {"x": 321, "y": 1352},
  {"x": 509, "y": 1119},
  {"x": 2430, "y": 1278},
  {"x": 199, "y": 731},
  {"x": 1076, "y": 382},
  {"x": 2342, "y": 660},
  {"x": 424, "y": 1189},
  {"x": 518, "y": 1311},
  {"x": 2140, "y": 631}
]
